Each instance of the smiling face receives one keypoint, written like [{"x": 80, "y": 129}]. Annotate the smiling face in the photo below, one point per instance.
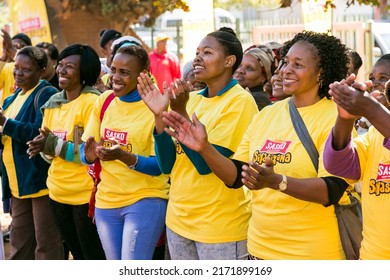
[
  {"x": 249, "y": 73},
  {"x": 277, "y": 85},
  {"x": 26, "y": 72},
  {"x": 211, "y": 61},
  {"x": 68, "y": 71},
  {"x": 124, "y": 72},
  {"x": 300, "y": 70}
]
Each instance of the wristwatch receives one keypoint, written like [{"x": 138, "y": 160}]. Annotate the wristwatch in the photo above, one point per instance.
[{"x": 283, "y": 185}]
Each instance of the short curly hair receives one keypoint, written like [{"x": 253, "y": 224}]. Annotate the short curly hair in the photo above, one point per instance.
[
  {"x": 36, "y": 54},
  {"x": 332, "y": 57}
]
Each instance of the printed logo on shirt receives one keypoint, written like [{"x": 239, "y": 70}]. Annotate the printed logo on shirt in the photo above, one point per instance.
[
  {"x": 60, "y": 134},
  {"x": 382, "y": 183},
  {"x": 383, "y": 171},
  {"x": 276, "y": 150},
  {"x": 179, "y": 149},
  {"x": 117, "y": 136},
  {"x": 275, "y": 146}
]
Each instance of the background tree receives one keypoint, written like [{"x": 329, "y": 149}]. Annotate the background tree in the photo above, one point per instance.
[{"x": 74, "y": 21}]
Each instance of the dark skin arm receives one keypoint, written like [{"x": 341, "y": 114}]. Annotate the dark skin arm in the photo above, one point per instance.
[
  {"x": 9, "y": 51},
  {"x": 180, "y": 94}
]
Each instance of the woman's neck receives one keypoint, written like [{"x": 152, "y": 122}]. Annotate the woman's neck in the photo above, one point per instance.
[
  {"x": 305, "y": 99},
  {"x": 50, "y": 76},
  {"x": 25, "y": 90},
  {"x": 217, "y": 84},
  {"x": 257, "y": 88}
]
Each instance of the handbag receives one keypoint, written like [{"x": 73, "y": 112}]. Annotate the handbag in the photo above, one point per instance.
[
  {"x": 95, "y": 168},
  {"x": 349, "y": 216}
]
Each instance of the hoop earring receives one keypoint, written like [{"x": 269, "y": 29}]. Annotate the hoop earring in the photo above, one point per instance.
[{"x": 319, "y": 82}]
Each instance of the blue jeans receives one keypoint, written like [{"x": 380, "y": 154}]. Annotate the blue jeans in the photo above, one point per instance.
[
  {"x": 131, "y": 232},
  {"x": 181, "y": 248}
]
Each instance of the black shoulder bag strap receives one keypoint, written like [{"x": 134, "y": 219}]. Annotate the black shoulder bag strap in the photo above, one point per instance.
[
  {"x": 303, "y": 134},
  {"x": 36, "y": 98}
]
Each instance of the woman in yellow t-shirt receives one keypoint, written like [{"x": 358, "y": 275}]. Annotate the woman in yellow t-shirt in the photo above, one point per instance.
[
  {"x": 205, "y": 220},
  {"x": 65, "y": 116},
  {"x": 365, "y": 158},
  {"x": 34, "y": 234},
  {"x": 132, "y": 195}
]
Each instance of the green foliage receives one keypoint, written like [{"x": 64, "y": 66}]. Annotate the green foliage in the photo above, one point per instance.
[
  {"x": 364, "y": 2},
  {"x": 226, "y": 4}
]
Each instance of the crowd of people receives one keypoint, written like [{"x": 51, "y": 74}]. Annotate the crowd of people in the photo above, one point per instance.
[{"x": 202, "y": 162}]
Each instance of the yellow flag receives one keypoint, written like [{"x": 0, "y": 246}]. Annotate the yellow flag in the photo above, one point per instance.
[{"x": 30, "y": 17}]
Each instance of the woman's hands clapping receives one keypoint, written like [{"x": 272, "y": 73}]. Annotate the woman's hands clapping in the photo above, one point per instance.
[{"x": 37, "y": 145}]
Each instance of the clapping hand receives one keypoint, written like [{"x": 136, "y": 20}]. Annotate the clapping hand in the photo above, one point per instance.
[
  {"x": 179, "y": 95},
  {"x": 8, "y": 50},
  {"x": 191, "y": 134},
  {"x": 256, "y": 176},
  {"x": 90, "y": 149},
  {"x": 151, "y": 95},
  {"x": 37, "y": 145},
  {"x": 112, "y": 153}
]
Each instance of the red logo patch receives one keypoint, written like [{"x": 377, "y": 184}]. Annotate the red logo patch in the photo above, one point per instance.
[
  {"x": 30, "y": 24},
  {"x": 383, "y": 172},
  {"x": 60, "y": 134},
  {"x": 119, "y": 136}
]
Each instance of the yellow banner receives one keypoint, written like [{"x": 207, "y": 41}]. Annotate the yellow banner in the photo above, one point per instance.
[
  {"x": 197, "y": 23},
  {"x": 30, "y": 17},
  {"x": 315, "y": 17}
]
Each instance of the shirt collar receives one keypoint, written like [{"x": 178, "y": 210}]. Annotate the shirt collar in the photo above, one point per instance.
[{"x": 132, "y": 96}]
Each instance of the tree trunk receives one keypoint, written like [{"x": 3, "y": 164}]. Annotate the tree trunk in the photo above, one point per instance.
[{"x": 81, "y": 27}]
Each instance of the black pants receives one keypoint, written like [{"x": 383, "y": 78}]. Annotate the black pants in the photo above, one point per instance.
[{"x": 78, "y": 231}]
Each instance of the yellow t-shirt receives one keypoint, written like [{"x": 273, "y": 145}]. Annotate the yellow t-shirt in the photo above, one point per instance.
[
  {"x": 8, "y": 158},
  {"x": 281, "y": 226},
  {"x": 7, "y": 81},
  {"x": 201, "y": 207},
  {"x": 131, "y": 123},
  {"x": 69, "y": 182},
  {"x": 375, "y": 173}
]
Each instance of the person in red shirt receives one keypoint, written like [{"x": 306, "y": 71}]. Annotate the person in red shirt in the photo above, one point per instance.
[{"x": 164, "y": 65}]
